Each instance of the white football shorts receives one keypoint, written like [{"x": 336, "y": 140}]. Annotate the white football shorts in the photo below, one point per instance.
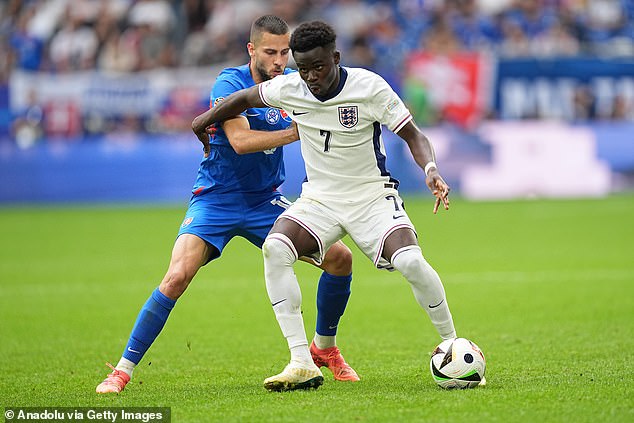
[{"x": 368, "y": 223}]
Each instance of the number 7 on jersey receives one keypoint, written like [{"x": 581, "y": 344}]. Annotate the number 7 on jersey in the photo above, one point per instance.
[{"x": 327, "y": 134}]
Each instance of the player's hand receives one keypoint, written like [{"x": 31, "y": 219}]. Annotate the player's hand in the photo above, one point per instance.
[
  {"x": 439, "y": 188},
  {"x": 203, "y": 136}
]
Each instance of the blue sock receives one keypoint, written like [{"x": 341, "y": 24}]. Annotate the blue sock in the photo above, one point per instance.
[
  {"x": 332, "y": 297},
  {"x": 149, "y": 324}
]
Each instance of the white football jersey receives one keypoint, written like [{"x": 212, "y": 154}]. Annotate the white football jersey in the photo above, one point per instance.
[{"x": 340, "y": 135}]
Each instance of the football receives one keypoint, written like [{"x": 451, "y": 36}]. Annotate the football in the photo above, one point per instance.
[{"x": 458, "y": 364}]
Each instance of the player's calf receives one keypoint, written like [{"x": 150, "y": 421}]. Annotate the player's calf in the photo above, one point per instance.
[{"x": 427, "y": 288}]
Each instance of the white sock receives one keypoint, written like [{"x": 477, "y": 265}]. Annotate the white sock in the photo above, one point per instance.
[
  {"x": 322, "y": 342},
  {"x": 300, "y": 355},
  {"x": 126, "y": 366},
  {"x": 284, "y": 293},
  {"x": 427, "y": 287}
]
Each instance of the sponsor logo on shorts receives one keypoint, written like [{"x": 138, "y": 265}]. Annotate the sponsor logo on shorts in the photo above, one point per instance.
[{"x": 187, "y": 221}]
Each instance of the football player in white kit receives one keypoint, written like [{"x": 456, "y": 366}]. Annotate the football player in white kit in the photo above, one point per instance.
[{"x": 339, "y": 112}]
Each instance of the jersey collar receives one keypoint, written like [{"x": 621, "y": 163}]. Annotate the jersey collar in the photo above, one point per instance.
[{"x": 343, "y": 75}]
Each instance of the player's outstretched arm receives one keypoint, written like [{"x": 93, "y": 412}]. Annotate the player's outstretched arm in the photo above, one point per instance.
[
  {"x": 245, "y": 140},
  {"x": 231, "y": 106},
  {"x": 423, "y": 153}
]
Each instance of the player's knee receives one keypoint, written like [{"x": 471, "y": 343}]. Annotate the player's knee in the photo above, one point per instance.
[
  {"x": 279, "y": 249},
  {"x": 410, "y": 262},
  {"x": 175, "y": 283},
  {"x": 338, "y": 260}
]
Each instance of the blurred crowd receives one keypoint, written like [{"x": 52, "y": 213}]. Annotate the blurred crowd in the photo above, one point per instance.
[
  {"x": 130, "y": 36},
  {"x": 134, "y": 35}
]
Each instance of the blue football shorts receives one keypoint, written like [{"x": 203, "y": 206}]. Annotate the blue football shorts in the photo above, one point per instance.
[{"x": 217, "y": 218}]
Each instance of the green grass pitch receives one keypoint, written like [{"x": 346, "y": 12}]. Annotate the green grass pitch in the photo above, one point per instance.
[{"x": 545, "y": 288}]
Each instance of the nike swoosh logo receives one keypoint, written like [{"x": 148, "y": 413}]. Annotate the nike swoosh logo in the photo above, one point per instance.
[
  {"x": 397, "y": 217},
  {"x": 333, "y": 327},
  {"x": 434, "y": 306},
  {"x": 298, "y": 113},
  {"x": 134, "y": 351},
  {"x": 279, "y": 302}
]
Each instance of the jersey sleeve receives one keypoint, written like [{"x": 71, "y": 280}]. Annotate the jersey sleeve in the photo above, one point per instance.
[
  {"x": 388, "y": 107},
  {"x": 271, "y": 91},
  {"x": 222, "y": 89}
]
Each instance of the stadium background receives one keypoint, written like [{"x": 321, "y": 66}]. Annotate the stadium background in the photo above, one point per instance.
[{"x": 522, "y": 98}]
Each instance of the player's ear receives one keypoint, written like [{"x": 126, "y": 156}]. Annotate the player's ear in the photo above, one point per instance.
[
  {"x": 251, "y": 49},
  {"x": 337, "y": 57}
]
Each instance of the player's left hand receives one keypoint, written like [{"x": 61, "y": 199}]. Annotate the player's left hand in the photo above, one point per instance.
[
  {"x": 202, "y": 133},
  {"x": 439, "y": 188}
]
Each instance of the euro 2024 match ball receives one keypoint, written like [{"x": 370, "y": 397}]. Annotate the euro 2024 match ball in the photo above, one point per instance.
[{"x": 458, "y": 364}]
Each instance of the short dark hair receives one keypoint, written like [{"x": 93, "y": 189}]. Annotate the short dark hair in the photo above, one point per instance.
[
  {"x": 310, "y": 35},
  {"x": 268, "y": 23}
]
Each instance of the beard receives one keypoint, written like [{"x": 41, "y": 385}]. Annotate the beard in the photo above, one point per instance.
[{"x": 262, "y": 73}]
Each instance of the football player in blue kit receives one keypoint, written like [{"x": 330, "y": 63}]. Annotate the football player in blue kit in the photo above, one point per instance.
[{"x": 235, "y": 194}]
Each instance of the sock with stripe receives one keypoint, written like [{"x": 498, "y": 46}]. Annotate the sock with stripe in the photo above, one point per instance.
[
  {"x": 332, "y": 297},
  {"x": 148, "y": 325}
]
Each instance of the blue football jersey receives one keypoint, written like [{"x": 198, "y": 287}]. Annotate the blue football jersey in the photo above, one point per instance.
[{"x": 225, "y": 171}]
